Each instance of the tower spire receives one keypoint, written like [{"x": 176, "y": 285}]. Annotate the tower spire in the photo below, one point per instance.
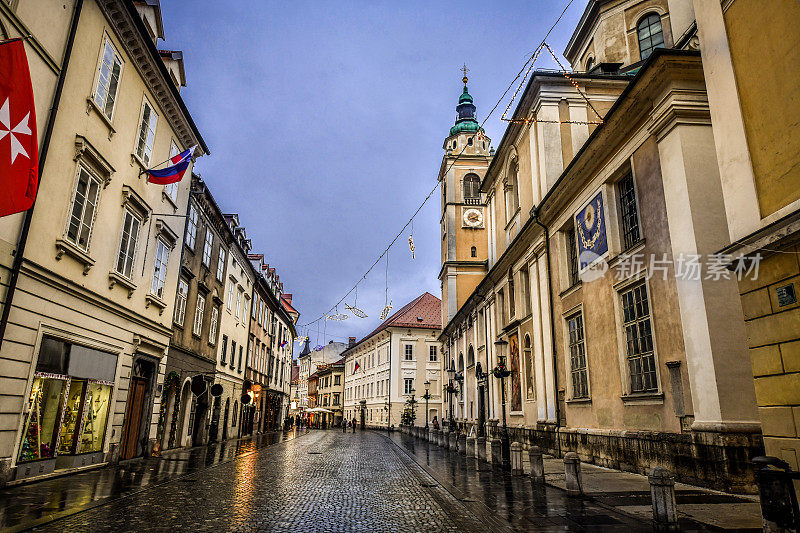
[{"x": 466, "y": 120}]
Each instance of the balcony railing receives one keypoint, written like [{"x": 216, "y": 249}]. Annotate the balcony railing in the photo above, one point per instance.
[{"x": 472, "y": 201}]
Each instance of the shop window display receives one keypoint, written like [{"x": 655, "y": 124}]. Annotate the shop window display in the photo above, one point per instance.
[
  {"x": 69, "y": 401},
  {"x": 94, "y": 422},
  {"x": 73, "y": 413},
  {"x": 38, "y": 436}
]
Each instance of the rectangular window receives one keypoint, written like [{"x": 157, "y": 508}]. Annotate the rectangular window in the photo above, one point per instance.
[
  {"x": 231, "y": 289},
  {"x": 408, "y": 385},
  {"x": 244, "y": 307},
  {"x": 572, "y": 257},
  {"x": 84, "y": 204},
  {"x": 241, "y": 352},
  {"x": 171, "y": 190},
  {"x": 408, "y": 352},
  {"x": 110, "y": 68},
  {"x": 501, "y": 309},
  {"x": 127, "y": 245},
  {"x": 629, "y": 212},
  {"x": 233, "y": 353},
  {"x": 639, "y": 339},
  {"x": 180, "y": 302},
  {"x": 254, "y": 309},
  {"x": 224, "y": 351},
  {"x": 238, "y": 304},
  {"x": 337, "y": 380},
  {"x": 525, "y": 284},
  {"x": 212, "y": 333},
  {"x": 160, "y": 269},
  {"x": 208, "y": 247},
  {"x": 197, "y": 327},
  {"x": 577, "y": 357},
  {"x": 191, "y": 229},
  {"x": 221, "y": 265},
  {"x": 433, "y": 354},
  {"x": 512, "y": 304},
  {"x": 147, "y": 132}
]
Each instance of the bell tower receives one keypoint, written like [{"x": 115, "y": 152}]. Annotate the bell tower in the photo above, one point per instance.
[{"x": 463, "y": 222}]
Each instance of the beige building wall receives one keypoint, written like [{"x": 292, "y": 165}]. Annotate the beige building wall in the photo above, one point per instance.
[{"x": 75, "y": 294}]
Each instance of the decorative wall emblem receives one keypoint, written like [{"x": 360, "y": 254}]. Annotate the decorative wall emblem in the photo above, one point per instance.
[{"x": 590, "y": 227}]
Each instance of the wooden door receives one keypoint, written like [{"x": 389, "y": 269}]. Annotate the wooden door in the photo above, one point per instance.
[{"x": 133, "y": 417}]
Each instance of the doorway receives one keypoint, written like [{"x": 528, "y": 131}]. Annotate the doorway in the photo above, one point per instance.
[{"x": 133, "y": 417}]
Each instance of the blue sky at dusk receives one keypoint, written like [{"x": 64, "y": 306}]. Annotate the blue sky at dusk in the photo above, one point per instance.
[{"x": 326, "y": 121}]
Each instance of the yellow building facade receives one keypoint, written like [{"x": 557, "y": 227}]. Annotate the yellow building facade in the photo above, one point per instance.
[{"x": 755, "y": 112}]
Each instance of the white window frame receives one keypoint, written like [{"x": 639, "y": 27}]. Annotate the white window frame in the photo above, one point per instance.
[
  {"x": 406, "y": 383},
  {"x": 191, "y": 229},
  {"x": 102, "y": 106},
  {"x": 199, "y": 309},
  {"x": 212, "y": 333},
  {"x": 231, "y": 288},
  {"x": 433, "y": 353},
  {"x": 239, "y": 294},
  {"x": 208, "y": 248},
  {"x": 181, "y": 297},
  {"x": 221, "y": 264},
  {"x": 128, "y": 242},
  {"x": 171, "y": 190},
  {"x": 143, "y": 146},
  {"x": 81, "y": 220},
  {"x": 160, "y": 265},
  {"x": 408, "y": 352}
]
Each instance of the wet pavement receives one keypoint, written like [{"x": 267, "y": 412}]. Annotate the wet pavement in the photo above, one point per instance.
[
  {"x": 515, "y": 500},
  {"x": 32, "y": 504},
  {"x": 324, "y": 481}
]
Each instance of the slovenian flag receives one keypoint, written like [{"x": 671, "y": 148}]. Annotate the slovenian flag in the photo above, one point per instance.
[
  {"x": 356, "y": 367},
  {"x": 173, "y": 173}
]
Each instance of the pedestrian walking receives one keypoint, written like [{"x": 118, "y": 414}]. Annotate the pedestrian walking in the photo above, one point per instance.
[
  {"x": 354, "y": 424},
  {"x": 344, "y": 426},
  {"x": 435, "y": 423}
]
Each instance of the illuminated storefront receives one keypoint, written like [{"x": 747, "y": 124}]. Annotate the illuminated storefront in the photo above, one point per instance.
[{"x": 68, "y": 407}]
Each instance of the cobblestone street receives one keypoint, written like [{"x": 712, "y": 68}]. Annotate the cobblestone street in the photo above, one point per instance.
[{"x": 329, "y": 481}]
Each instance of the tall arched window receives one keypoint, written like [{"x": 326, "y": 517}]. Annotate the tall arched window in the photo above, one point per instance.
[
  {"x": 470, "y": 356},
  {"x": 589, "y": 64},
  {"x": 512, "y": 190},
  {"x": 472, "y": 189},
  {"x": 473, "y": 252},
  {"x": 651, "y": 35}
]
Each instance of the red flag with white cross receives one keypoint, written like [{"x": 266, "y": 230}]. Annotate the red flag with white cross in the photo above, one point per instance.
[{"x": 19, "y": 149}]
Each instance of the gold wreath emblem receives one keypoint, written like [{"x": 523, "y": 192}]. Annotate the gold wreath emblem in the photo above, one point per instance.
[{"x": 588, "y": 244}]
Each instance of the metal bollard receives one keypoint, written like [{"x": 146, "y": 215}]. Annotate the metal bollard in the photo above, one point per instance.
[
  {"x": 662, "y": 492},
  {"x": 480, "y": 448},
  {"x": 572, "y": 469},
  {"x": 537, "y": 463},
  {"x": 443, "y": 438},
  {"x": 516, "y": 459},
  {"x": 453, "y": 442},
  {"x": 462, "y": 443},
  {"x": 497, "y": 452}
]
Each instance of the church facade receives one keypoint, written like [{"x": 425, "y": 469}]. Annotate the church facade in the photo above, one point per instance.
[{"x": 602, "y": 212}]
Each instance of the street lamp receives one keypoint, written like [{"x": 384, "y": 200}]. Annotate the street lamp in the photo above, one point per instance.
[
  {"x": 427, "y": 397},
  {"x": 501, "y": 372},
  {"x": 386, "y": 408},
  {"x": 450, "y": 390}
]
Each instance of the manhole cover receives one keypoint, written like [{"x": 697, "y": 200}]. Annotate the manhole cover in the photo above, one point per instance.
[{"x": 314, "y": 453}]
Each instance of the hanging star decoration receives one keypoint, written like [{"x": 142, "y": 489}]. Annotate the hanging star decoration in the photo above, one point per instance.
[
  {"x": 301, "y": 340},
  {"x": 385, "y": 312},
  {"x": 411, "y": 246},
  {"x": 338, "y": 317}
]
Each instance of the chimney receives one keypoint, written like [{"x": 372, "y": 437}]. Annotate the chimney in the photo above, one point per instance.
[{"x": 351, "y": 341}]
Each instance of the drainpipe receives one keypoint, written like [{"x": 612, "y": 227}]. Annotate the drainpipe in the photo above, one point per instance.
[
  {"x": 535, "y": 216},
  {"x": 45, "y": 145}
]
